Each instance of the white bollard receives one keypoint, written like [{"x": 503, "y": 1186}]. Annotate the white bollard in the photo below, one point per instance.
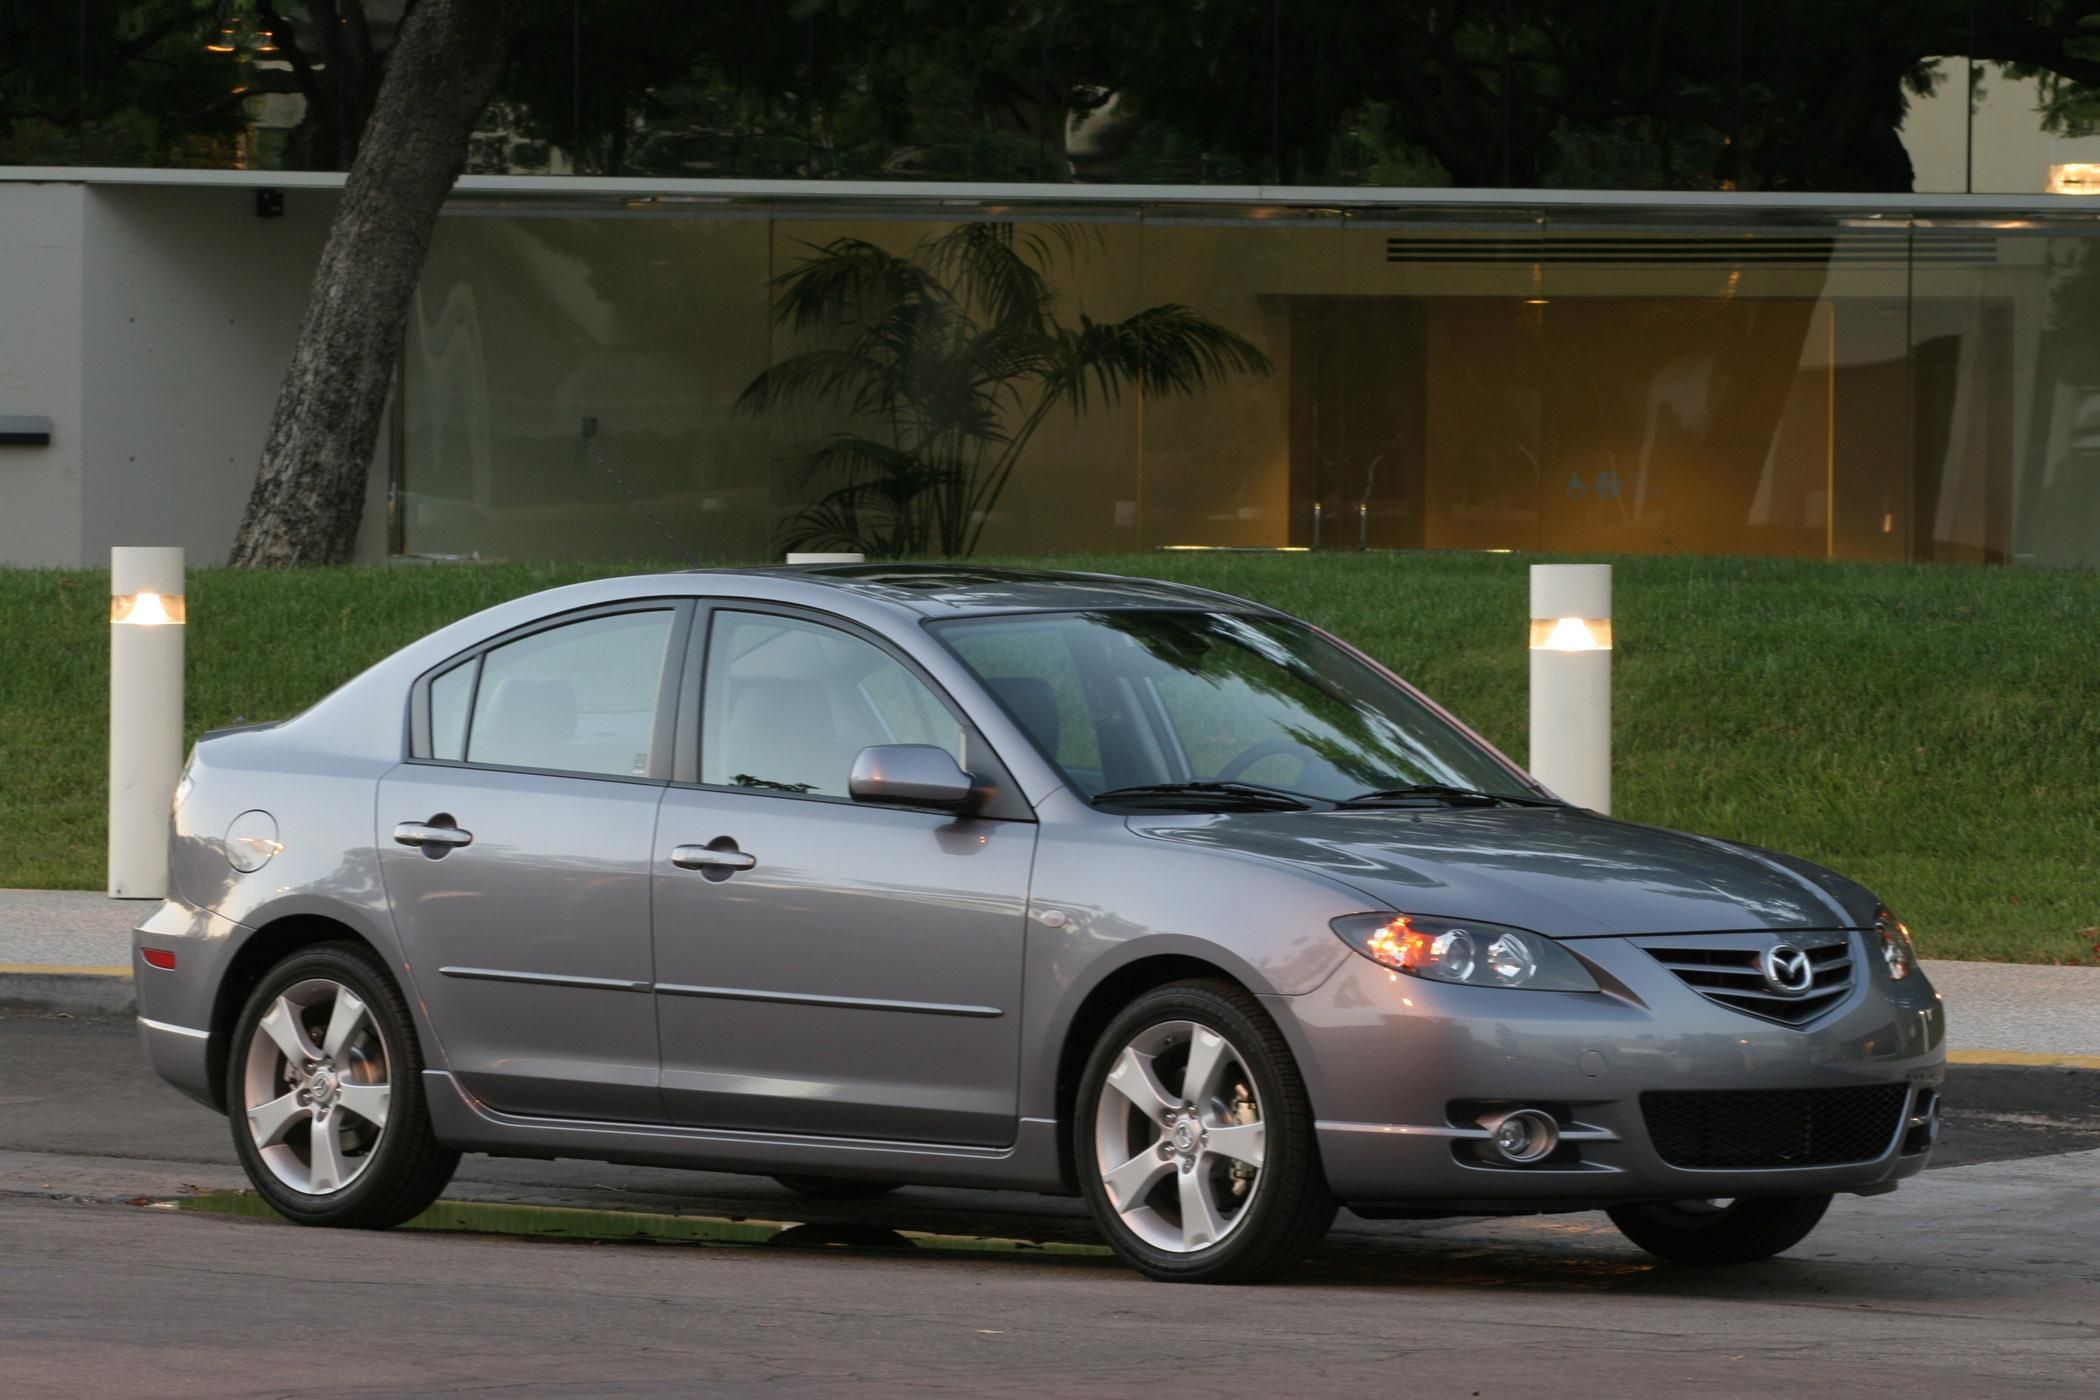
[
  {"x": 147, "y": 612},
  {"x": 820, "y": 557},
  {"x": 1571, "y": 681}
]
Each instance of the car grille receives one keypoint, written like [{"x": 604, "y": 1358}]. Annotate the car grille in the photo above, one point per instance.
[
  {"x": 1772, "y": 1127},
  {"x": 1726, "y": 972}
]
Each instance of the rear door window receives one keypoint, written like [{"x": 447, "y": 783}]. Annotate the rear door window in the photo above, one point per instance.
[{"x": 579, "y": 698}]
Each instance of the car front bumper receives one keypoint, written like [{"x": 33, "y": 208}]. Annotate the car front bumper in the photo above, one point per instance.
[{"x": 1406, "y": 1076}]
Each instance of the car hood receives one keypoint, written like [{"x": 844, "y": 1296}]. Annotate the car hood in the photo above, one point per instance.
[{"x": 1560, "y": 871}]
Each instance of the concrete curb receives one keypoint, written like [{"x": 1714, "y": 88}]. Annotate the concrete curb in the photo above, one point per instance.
[{"x": 71, "y": 991}]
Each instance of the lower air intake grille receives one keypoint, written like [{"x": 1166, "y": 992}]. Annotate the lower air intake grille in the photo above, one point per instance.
[{"x": 1738, "y": 1128}]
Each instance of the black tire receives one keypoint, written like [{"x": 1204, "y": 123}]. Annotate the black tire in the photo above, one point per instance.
[
  {"x": 400, "y": 1173},
  {"x": 1704, "y": 1232},
  {"x": 1290, "y": 1209},
  {"x": 837, "y": 1188}
]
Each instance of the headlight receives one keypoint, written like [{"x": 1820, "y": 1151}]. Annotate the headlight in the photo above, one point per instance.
[
  {"x": 1896, "y": 948},
  {"x": 1464, "y": 950}
]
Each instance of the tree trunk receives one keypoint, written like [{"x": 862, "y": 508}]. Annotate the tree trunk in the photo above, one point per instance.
[{"x": 310, "y": 491}]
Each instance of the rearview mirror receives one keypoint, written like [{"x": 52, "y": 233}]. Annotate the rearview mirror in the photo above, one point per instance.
[{"x": 911, "y": 775}]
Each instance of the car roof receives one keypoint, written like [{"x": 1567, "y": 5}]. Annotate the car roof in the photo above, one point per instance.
[{"x": 958, "y": 589}]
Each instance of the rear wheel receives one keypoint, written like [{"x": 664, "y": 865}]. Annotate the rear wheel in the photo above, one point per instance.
[
  {"x": 1194, "y": 1140},
  {"x": 324, "y": 1089},
  {"x": 1723, "y": 1231},
  {"x": 827, "y": 1188}
]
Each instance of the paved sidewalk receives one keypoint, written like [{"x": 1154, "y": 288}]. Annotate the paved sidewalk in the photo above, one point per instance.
[
  {"x": 70, "y": 950},
  {"x": 74, "y": 929}
]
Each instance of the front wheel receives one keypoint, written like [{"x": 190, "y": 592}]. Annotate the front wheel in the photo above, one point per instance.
[
  {"x": 1720, "y": 1232},
  {"x": 1194, "y": 1140},
  {"x": 324, "y": 1087}
]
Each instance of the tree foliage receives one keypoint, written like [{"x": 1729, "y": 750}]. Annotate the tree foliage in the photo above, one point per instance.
[{"x": 1664, "y": 94}]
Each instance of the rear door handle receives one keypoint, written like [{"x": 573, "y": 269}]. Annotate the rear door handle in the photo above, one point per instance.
[
  {"x": 711, "y": 858},
  {"x": 432, "y": 834}
]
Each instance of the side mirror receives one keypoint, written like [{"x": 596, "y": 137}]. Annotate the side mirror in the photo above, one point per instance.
[{"x": 911, "y": 775}]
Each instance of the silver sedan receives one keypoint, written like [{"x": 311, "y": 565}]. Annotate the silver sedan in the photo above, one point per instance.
[{"x": 870, "y": 875}]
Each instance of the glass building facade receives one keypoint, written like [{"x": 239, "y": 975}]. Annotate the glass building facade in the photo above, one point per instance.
[
  {"x": 1580, "y": 378},
  {"x": 1628, "y": 276}
]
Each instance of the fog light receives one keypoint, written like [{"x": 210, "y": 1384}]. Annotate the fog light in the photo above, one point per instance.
[{"x": 1525, "y": 1135}]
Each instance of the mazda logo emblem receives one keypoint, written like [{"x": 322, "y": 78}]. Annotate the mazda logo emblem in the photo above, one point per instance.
[{"x": 1787, "y": 970}]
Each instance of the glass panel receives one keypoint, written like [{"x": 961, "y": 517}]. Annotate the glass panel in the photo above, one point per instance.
[
  {"x": 450, "y": 695},
  {"x": 1705, "y": 382},
  {"x": 932, "y": 394},
  {"x": 789, "y": 705},
  {"x": 1613, "y": 386},
  {"x": 1235, "y": 458},
  {"x": 2006, "y": 433},
  {"x": 1443, "y": 405},
  {"x": 574, "y": 699},
  {"x": 1186, "y": 696},
  {"x": 1029, "y": 669},
  {"x": 572, "y": 386}
]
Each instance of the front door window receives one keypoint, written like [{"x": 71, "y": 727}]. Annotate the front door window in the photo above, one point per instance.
[{"x": 790, "y": 705}]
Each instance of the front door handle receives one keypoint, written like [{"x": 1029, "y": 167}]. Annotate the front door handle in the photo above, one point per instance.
[
  {"x": 710, "y": 859},
  {"x": 438, "y": 831}
]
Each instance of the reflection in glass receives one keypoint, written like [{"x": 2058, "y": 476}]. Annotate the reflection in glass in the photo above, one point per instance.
[
  {"x": 574, "y": 699},
  {"x": 1179, "y": 696},
  {"x": 790, "y": 705},
  {"x": 920, "y": 379},
  {"x": 1882, "y": 388},
  {"x": 570, "y": 385}
]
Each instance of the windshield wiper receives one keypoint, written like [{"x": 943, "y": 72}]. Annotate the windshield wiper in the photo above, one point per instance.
[
  {"x": 1250, "y": 794},
  {"x": 1460, "y": 796}
]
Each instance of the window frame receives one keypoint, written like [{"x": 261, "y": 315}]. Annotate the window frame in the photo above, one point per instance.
[
  {"x": 663, "y": 728},
  {"x": 1007, "y": 803}
]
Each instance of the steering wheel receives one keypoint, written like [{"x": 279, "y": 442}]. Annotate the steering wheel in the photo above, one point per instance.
[{"x": 1268, "y": 748}]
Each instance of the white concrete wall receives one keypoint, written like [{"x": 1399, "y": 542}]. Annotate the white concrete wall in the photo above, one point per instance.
[
  {"x": 190, "y": 308},
  {"x": 40, "y": 352},
  {"x": 152, "y": 324}
]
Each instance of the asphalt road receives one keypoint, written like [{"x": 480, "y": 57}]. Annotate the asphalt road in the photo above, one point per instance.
[{"x": 1982, "y": 1278}]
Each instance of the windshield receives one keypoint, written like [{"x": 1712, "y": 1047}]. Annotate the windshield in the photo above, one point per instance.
[{"x": 1128, "y": 699}]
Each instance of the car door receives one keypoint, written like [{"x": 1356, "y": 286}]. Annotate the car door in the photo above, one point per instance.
[
  {"x": 826, "y": 966},
  {"x": 516, "y": 848}
]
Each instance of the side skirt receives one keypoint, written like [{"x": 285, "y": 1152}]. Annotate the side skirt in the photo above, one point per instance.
[{"x": 465, "y": 1124}]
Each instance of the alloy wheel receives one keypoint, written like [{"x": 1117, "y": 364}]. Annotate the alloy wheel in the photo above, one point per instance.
[
  {"x": 316, "y": 1087},
  {"x": 1178, "y": 1137}
]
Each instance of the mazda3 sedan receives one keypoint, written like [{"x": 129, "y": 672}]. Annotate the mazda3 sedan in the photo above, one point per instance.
[{"x": 872, "y": 875}]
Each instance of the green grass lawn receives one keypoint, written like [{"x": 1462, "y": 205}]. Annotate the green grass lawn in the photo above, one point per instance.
[{"x": 1932, "y": 731}]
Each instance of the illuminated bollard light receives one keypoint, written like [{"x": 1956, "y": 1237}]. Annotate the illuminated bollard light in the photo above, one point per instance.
[
  {"x": 147, "y": 612},
  {"x": 1571, "y": 681}
]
